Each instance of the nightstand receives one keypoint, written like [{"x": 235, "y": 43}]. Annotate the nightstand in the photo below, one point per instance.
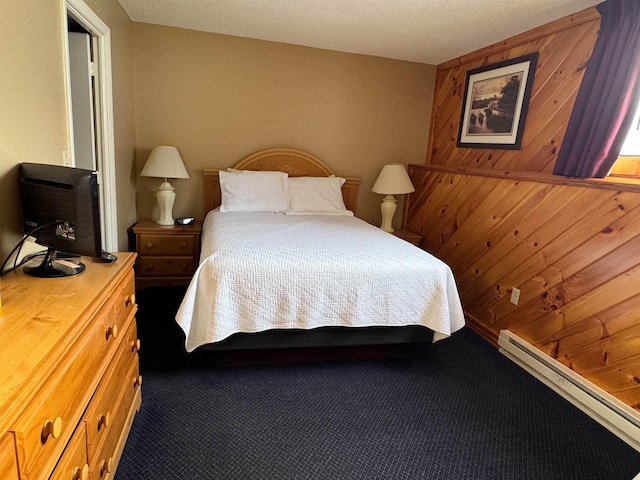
[
  {"x": 408, "y": 235},
  {"x": 166, "y": 255}
]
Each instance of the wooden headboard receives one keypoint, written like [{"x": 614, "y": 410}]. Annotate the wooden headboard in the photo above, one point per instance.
[{"x": 296, "y": 163}]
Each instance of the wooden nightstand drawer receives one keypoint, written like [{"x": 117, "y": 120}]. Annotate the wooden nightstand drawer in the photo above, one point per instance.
[
  {"x": 408, "y": 236},
  {"x": 166, "y": 266},
  {"x": 167, "y": 255},
  {"x": 166, "y": 245}
]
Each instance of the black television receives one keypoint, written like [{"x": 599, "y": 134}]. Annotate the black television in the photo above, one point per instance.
[{"x": 60, "y": 209}]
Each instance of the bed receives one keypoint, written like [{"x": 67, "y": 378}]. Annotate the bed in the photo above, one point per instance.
[{"x": 306, "y": 272}]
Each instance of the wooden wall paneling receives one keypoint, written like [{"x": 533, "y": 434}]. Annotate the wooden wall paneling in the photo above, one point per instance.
[
  {"x": 575, "y": 254},
  {"x": 446, "y": 115},
  {"x": 447, "y": 206},
  {"x": 564, "y": 255},
  {"x": 535, "y": 230},
  {"x": 562, "y": 59},
  {"x": 622, "y": 376},
  {"x": 425, "y": 194},
  {"x": 568, "y": 238},
  {"x": 556, "y": 85},
  {"x": 483, "y": 215},
  {"x": 503, "y": 221},
  {"x": 629, "y": 395},
  {"x": 584, "y": 299},
  {"x": 468, "y": 207},
  {"x": 526, "y": 260},
  {"x": 620, "y": 325}
]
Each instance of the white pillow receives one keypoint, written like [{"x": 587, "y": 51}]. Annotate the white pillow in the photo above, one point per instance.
[
  {"x": 316, "y": 195},
  {"x": 249, "y": 191}
]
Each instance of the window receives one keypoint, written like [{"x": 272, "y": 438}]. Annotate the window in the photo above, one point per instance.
[{"x": 628, "y": 164}]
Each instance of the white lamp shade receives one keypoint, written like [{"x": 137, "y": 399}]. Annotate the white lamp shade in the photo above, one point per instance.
[
  {"x": 393, "y": 180},
  {"x": 165, "y": 162}
]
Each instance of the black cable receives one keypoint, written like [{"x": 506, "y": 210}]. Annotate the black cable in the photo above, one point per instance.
[
  {"x": 6, "y": 260},
  {"x": 29, "y": 257},
  {"x": 18, "y": 247}
]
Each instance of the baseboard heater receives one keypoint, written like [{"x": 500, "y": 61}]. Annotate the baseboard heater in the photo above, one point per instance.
[{"x": 616, "y": 416}]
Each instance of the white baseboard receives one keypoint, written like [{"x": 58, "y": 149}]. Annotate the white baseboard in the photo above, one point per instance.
[{"x": 616, "y": 416}]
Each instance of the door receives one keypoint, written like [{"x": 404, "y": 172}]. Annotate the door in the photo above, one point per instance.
[
  {"x": 91, "y": 109},
  {"x": 81, "y": 79}
]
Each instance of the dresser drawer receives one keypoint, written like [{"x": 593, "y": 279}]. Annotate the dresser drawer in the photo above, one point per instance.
[
  {"x": 102, "y": 466},
  {"x": 101, "y": 412},
  {"x": 8, "y": 464},
  {"x": 124, "y": 300},
  {"x": 166, "y": 266},
  {"x": 149, "y": 244},
  {"x": 73, "y": 464},
  {"x": 56, "y": 408}
]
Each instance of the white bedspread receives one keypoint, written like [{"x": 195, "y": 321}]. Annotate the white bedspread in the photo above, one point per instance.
[{"x": 260, "y": 271}]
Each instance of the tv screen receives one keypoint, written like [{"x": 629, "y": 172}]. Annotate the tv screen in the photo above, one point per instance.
[{"x": 60, "y": 210}]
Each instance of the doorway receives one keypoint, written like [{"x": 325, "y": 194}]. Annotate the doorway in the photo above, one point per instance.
[{"x": 89, "y": 88}]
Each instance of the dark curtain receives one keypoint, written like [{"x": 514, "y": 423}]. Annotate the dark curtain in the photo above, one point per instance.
[{"x": 608, "y": 95}]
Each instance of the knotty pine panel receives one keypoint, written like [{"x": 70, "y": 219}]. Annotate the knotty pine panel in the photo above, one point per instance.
[
  {"x": 500, "y": 219},
  {"x": 564, "y": 48},
  {"x": 573, "y": 251}
]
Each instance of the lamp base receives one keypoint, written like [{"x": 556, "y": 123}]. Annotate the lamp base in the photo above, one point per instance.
[
  {"x": 165, "y": 196},
  {"x": 388, "y": 209}
]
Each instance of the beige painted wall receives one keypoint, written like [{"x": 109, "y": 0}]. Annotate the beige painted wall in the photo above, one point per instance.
[
  {"x": 33, "y": 117},
  {"x": 219, "y": 98},
  {"x": 33, "y": 112}
]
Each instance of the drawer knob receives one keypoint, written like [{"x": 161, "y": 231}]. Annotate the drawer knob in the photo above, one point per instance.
[
  {"x": 135, "y": 345},
  {"x": 130, "y": 300},
  {"x": 81, "y": 473},
  {"x": 104, "y": 420},
  {"x": 112, "y": 331},
  {"x": 149, "y": 267},
  {"x": 149, "y": 245},
  {"x": 106, "y": 466},
  {"x": 185, "y": 267},
  {"x": 137, "y": 381},
  {"x": 53, "y": 428},
  {"x": 185, "y": 245}
]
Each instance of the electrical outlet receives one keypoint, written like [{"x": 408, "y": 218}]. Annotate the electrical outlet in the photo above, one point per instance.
[
  {"x": 66, "y": 158},
  {"x": 515, "y": 295}
]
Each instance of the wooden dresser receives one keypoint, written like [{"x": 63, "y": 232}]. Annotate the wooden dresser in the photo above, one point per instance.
[
  {"x": 168, "y": 254},
  {"x": 69, "y": 379}
]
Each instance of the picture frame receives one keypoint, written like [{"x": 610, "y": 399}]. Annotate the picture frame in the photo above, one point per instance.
[{"x": 495, "y": 105}]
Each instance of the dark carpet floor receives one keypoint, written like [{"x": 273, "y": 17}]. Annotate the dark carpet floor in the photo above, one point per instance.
[{"x": 457, "y": 409}]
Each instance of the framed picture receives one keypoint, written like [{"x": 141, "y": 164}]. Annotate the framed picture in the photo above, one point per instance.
[{"x": 495, "y": 104}]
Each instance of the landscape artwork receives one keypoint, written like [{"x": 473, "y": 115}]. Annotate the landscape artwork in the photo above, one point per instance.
[{"x": 495, "y": 104}]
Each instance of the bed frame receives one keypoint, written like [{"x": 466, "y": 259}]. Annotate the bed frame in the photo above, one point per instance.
[
  {"x": 319, "y": 343},
  {"x": 295, "y": 163}
]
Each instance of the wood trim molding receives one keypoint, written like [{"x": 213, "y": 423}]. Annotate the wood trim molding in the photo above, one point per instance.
[{"x": 609, "y": 183}]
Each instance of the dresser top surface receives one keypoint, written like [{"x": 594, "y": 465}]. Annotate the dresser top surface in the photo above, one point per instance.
[{"x": 42, "y": 314}]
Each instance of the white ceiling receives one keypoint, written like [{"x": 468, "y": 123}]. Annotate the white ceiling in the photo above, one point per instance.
[{"x": 425, "y": 31}]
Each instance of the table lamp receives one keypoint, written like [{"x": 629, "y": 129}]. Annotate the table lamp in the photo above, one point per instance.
[
  {"x": 165, "y": 162},
  {"x": 393, "y": 180}
]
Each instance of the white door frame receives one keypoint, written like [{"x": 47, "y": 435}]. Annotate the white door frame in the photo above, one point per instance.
[{"x": 101, "y": 37}]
